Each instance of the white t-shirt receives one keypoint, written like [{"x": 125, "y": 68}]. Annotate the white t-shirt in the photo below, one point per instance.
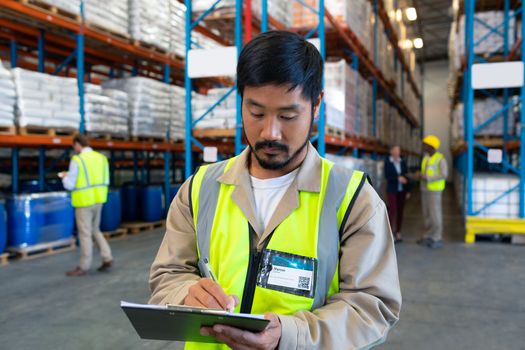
[{"x": 268, "y": 193}]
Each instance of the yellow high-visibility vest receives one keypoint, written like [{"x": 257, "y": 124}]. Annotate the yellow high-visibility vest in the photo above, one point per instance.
[
  {"x": 92, "y": 181},
  {"x": 430, "y": 168},
  {"x": 312, "y": 230}
]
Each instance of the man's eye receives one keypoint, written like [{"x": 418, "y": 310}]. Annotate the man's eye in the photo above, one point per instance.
[
  {"x": 257, "y": 115},
  {"x": 288, "y": 117}
]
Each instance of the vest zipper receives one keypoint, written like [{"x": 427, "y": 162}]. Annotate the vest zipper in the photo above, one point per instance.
[{"x": 253, "y": 269}]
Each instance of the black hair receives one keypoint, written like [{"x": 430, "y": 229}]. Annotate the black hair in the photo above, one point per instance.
[{"x": 281, "y": 58}]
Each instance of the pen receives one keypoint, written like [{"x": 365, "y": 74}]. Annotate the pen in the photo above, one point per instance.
[{"x": 205, "y": 269}]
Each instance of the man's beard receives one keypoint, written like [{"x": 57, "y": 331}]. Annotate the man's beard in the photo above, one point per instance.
[{"x": 275, "y": 165}]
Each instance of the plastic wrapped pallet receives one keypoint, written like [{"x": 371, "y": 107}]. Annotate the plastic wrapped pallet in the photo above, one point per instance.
[
  {"x": 71, "y": 6},
  {"x": 160, "y": 23},
  {"x": 7, "y": 97},
  {"x": 178, "y": 112},
  {"x": 277, "y": 9},
  {"x": 108, "y": 14},
  {"x": 45, "y": 100},
  {"x": 149, "y": 105},
  {"x": 223, "y": 116},
  {"x": 373, "y": 168},
  {"x": 340, "y": 94},
  {"x": 106, "y": 111}
]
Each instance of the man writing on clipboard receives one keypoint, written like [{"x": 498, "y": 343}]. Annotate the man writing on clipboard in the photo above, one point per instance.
[{"x": 286, "y": 233}]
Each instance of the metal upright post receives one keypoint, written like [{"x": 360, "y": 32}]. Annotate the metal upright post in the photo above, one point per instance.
[
  {"x": 506, "y": 25},
  {"x": 112, "y": 168},
  {"x": 264, "y": 16},
  {"x": 14, "y": 165},
  {"x": 135, "y": 168},
  {"x": 42, "y": 168},
  {"x": 188, "y": 162},
  {"x": 80, "y": 68},
  {"x": 12, "y": 53},
  {"x": 238, "y": 44},
  {"x": 41, "y": 51},
  {"x": 321, "y": 146},
  {"x": 469, "y": 99},
  {"x": 522, "y": 127}
]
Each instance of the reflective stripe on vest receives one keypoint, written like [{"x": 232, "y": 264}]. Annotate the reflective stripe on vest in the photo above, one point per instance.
[
  {"x": 313, "y": 229},
  {"x": 92, "y": 182},
  {"x": 430, "y": 167}
]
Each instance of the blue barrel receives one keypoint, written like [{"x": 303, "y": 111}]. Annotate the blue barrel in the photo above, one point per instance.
[
  {"x": 111, "y": 212},
  {"x": 173, "y": 191},
  {"x": 3, "y": 226},
  {"x": 29, "y": 186},
  {"x": 25, "y": 219},
  {"x": 59, "y": 217},
  {"x": 131, "y": 209},
  {"x": 152, "y": 203}
]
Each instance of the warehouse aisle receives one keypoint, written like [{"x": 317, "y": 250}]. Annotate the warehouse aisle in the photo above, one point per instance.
[{"x": 446, "y": 304}]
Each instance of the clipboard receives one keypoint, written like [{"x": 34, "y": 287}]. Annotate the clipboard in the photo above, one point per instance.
[{"x": 183, "y": 323}]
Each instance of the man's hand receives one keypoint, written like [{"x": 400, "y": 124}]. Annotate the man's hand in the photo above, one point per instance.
[
  {"x": 62, "y": 174},
  {"x": 238, "y": 339},
  {"x": 209, "y": 294},
  {"x": 403, "y": 180}
]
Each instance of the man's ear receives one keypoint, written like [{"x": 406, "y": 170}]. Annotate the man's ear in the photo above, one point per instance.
[{"x": 317, "y": 106}]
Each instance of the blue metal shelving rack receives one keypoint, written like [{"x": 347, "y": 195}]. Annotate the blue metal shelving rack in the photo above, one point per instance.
[
  {"x": 190, "y": 123},
  {"x": 474, "y": 147}
]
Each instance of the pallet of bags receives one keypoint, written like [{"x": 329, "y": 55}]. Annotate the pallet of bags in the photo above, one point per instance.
[
  {"x": 223, "y": 116},
  {"x": 150, "y": 22},
  {"x": 106, "y": 111},
  {"x": 111, "y": 15},
  {"x": 7, "y": 100},
  {"x": 178, "y": 113},
  {"x": 46, "y": 101}
]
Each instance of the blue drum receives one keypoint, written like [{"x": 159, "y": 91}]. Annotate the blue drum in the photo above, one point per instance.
[{"x": 111, "y": 212}]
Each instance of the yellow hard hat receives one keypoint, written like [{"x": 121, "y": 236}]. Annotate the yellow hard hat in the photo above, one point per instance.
[{"x": 432, "y": 140}]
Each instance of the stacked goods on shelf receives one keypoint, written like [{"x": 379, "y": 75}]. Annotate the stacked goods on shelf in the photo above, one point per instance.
[
  {"x": 277, "y": 9},
  {"x": 340, "y": 96},
  {"x": 483, "y": 110},
  {"x": 109, "y": 14},
  {"x": 157, "y": 22},
  {"x": 45, "y": 100},
  {"x": 178, "y": 112},
  {"x": 71, "y": 6},
  {"x": 7, "y": 97},
  {"x": 486, "y": 188},
  {"x": 411, "y": 101},
  {"x": 203, "y": 42},
  {"x": 373, "y": 168},
  {"x": 106, "y": 111},
  {"x": 364, "y": 107},
  {"x": 223, "y": 116},
  {"x": 203, "y": 5},
  {"x": 149, "y": 105}
]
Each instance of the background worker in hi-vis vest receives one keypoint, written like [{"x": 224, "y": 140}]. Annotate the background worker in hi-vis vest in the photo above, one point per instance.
[
  {"x": 88, "y": 181},
  {"x": 433, "y": 176},
  {"x": 287, "y": 233}
]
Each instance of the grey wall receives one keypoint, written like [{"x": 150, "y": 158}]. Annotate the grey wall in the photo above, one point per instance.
[{"x": 437, "y": 105}]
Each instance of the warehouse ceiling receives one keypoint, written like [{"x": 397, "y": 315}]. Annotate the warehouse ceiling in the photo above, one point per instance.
[{"x": 433, "y": 26}]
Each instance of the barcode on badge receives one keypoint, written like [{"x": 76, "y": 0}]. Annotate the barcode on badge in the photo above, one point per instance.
[{"x": 304, "y": 283}]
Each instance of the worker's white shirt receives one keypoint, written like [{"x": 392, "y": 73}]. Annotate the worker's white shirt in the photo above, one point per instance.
[
  {"x": 268, "y": 193},
  {"x": 70, "y": 180}
]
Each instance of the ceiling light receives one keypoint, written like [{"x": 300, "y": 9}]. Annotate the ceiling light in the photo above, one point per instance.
[
  {"x": 411, "y": 13},
  {"x": 399, "y": 15},
  {"x": 418, "y": 43}
]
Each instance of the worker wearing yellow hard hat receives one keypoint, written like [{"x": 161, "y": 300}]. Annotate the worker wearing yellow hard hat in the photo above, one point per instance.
[{"x": 433, "y": 176}]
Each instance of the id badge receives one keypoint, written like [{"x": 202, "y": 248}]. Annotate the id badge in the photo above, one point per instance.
[{"x": 288, "y": 273}]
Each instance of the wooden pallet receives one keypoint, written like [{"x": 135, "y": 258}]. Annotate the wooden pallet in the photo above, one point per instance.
[
  {"x": 213, "y": 133},
  {"x": 99, "y": 28},
  {"x": 44, "y": 249},
  {"x": 3, "y": 259},
  {"x": 137, "y": 227},
  {"x": 40, "y": 130},
  {"x": 106, "y": 137},
  {"x": 119, "y": 233},
  {"x": 149, "y": 139},
  {"x": 335, "y": 132},
  {"x": 51, "y": 9},
  {"x": 7, "y": 130},
  {"x": 148, "y": 46}
]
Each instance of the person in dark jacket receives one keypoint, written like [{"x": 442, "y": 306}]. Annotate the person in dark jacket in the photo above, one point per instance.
[{"x": 398, "y": 189}]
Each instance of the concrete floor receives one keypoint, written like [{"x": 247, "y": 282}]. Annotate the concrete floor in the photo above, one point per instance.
[{"x": 459, "y": 297}]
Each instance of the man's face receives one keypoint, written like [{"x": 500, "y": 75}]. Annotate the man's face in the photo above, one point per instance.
[
  {"x": 428, "y": 149},
  {"x": 277, "y": 124},
  {"x": 77, "y": 147}
]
